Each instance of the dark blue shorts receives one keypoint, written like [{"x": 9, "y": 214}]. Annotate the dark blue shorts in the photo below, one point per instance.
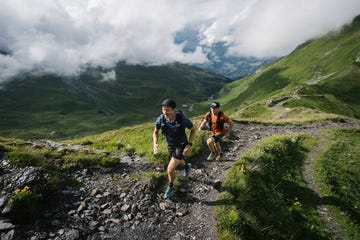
[{"x": 176, "y": 152}]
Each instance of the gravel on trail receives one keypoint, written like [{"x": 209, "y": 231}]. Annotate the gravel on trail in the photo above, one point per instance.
[{"x": 117, "y": 205}]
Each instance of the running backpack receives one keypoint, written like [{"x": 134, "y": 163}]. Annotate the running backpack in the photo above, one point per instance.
[
  {"x": 219, "y": 123},
  {"x": 180, "y": 128}
]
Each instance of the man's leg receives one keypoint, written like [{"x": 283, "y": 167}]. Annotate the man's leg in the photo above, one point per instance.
[
  {"x": 217, "y": 138},
  {"x": 174, "y": 163},
  {"x": 210, "y": 142},
  {"x": 218, "y": 148},
  {"x": 211, "y": 145},
  {"x": 172, "y": 166}
]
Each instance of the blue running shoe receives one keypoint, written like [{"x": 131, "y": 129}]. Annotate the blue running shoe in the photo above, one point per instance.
[
  {"x": 187, "y": 169},
  {"x": 169, "y": 192}
]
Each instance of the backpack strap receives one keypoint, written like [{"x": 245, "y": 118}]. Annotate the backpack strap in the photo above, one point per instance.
[
  {"x": 219, "y": 122},
  {"x": 208, "y": 125},
  {"x": 180, "y": 127}
]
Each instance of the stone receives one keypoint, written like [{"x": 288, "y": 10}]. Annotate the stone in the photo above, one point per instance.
[
  {"x": 3, "y": 201},
  {"x": 5, "y": 225},
  {"x": 72, "y": 234},
  {"x": 125, "y": 207},
  {"x": 93, "y": 223},
  {"x": 107, "y": 211},
  {"x": 10, "y": 235}
]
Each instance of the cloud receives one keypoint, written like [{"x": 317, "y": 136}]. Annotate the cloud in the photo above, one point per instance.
[
  {"x": 63, "y": 36},
  {"x": 108, "y": 76},
  {"x": 276, "y": 27}
]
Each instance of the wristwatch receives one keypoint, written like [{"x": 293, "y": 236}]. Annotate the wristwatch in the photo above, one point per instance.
[{"x": 190, "y": 144}]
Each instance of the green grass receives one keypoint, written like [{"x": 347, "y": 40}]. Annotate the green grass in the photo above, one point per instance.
[
  {"x": 52, "y": 107},
  {"x": 337, "y": 171},
  {"x": 264, "y": 196},
  {"x": 137, "y": 140},
  {"x": 281, "y": 115},
  {"x": 320, "y": 78},
  {"x": 23, "y": 153}
]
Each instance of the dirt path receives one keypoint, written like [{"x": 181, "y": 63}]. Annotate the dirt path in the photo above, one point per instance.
[
  {"x": 118, "y": 205},
  {"x": 308, "y": 176},
  {"x": 196, "y": 200}
]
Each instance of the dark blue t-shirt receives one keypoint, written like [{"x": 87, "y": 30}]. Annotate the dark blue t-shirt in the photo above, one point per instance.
[{"x": 172, "y": 138}]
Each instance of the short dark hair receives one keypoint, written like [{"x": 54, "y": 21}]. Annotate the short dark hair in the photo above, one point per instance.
[
  {"x": 168, "y": 103},
  {"x": 215, "y": 105}
]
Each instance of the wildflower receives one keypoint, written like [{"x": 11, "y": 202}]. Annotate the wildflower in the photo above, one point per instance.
[
  {"x": 297, "y": 202},
  {"x": 16, "y": 191},
  {"x": 25, "y": 189},
  {"x": 242, "y": 169}
]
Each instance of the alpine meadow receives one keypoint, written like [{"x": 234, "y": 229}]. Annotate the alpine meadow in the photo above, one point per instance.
[{"x": 77, "y": 158}]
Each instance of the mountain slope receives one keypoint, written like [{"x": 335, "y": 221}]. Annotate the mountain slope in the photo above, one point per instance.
[
  {"x": 319, "y": 78},
  {"x": 218, "y": 60},
  {"x": 56, "y": 107}
]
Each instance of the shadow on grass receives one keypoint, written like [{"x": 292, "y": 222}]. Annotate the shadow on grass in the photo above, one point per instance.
[{"x": 343, "y": 206}]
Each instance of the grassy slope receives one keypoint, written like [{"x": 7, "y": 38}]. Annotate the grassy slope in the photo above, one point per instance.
[
  {"x": 265, "y": 184},
  {"x": 264, "y": 196},
  {"x": 35, "y": 106},
  {"x": 136, "y": 140},
  {"x": 337, "y": 169},
  {"x": 318, "y": 79}
]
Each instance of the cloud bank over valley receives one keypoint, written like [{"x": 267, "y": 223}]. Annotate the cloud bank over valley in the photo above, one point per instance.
[{"x": 64, "y": 36}]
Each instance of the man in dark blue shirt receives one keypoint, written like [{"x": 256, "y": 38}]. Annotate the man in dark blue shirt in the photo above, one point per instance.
[{"x": 172, "y": 124}]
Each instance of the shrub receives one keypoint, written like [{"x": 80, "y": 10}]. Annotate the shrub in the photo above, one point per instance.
[{"x": 25, "y": 205}]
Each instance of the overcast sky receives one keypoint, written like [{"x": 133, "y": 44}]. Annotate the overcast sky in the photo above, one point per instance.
[{"x": 63, "y": 35}]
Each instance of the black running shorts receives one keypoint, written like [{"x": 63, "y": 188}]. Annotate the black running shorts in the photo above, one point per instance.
[
  {"x": 217, "y": 136},
  {"x": 176, "y": 152}
]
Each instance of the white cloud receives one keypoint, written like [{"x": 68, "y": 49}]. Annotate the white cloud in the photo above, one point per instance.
[
  {"x": 275, "y": 27},
  {"x": 63, "y": 35},
  {"x": 108, "y": 76}
]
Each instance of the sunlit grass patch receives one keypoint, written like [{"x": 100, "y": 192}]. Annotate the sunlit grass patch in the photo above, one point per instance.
[
  {"x": 337, "y": 171},
  {"x": 137, "y": 140},
  {"x": 83, "y": 159},
  {"x": 281, "y": 115},
  {"x": 264, "y": 195}
]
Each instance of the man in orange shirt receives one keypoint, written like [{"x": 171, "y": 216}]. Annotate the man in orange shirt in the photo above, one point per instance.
[{"x": 214, "y": 120}]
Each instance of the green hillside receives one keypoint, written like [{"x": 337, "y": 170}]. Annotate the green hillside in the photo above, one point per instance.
[
  {"x": 317, "y": 80},
  {"x": 54, "y": 107}
]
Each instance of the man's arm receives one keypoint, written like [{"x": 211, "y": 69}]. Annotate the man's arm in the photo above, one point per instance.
[
  {"x": 155, "y": 140},
  {"x": 202, "y": 124},
  {"x": 191, "y": 139},
  {"x": 192, "y": 134}
]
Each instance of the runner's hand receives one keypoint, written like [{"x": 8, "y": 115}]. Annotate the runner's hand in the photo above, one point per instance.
[{"x": 186, "y": 150}]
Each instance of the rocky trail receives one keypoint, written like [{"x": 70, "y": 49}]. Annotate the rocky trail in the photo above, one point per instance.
[{"x": 122, "y": 205}]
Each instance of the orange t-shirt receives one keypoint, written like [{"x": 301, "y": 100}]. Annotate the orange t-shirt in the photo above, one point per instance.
[{"x": 214, "y": 118}]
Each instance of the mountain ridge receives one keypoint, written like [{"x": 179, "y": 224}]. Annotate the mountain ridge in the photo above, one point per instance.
[
  {"x": 319, "y": 79},
  {"x": 34, "y": 106}
]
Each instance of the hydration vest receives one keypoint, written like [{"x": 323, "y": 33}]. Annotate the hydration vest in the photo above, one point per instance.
[
  {"x": 219, "y": 123},
  {"x": 179, "y": 128}
]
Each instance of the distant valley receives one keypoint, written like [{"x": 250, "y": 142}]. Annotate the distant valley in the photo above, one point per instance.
[
  {"x": 319, "y": 80},
  {"x": 99, "y": 99}
]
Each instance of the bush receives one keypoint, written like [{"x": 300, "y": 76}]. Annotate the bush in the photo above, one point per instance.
[{"x": 25, "y": 205}]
